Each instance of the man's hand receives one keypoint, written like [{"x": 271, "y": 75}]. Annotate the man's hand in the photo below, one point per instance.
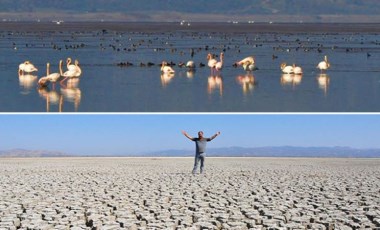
[{"x": 186, "y": 135}]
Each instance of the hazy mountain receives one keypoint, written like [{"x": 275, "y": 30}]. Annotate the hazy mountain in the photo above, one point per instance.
[
  {"x": 31, "y": 153},
  {"x": 282, "y": 151},
  {"x": 148, "y": 10}
]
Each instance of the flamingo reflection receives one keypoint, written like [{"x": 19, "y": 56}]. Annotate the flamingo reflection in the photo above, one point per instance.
[
  {"x": 323, "y": 82},
  {"x": 215, "y": 82},
  {"x": 247, "y": 82},
  {"x": 166, "y": 78},
  {"x": 287, "y": 79},
  {"x": 72, "y": 93},
  {"x": 51, "y": 97},
  {"x": 27, "y": 82},
  {"x": 291, "y": 79},
  {"x": 190, "y": 74}
]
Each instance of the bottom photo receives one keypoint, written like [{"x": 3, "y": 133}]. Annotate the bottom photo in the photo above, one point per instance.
[{"x": 190, "y": 171}]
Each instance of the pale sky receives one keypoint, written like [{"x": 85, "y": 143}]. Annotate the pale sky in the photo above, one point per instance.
[{"x": 135, "y": 133}]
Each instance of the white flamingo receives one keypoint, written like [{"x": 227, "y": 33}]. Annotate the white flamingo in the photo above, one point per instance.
[
  {"x": 297, "y": 70},
  {"x": 219, "y": 64},
  {"x": 69, "y": 65},
  {"x": 323, "y": 65},
  {"x": 73, "y": 72},
  {"x": 73, "y": 68},
  {"x": 166, "y": 69},
  {"x": 249, "y": 66},
  {"x": 248, "y": 63},
  {"x": 50, "y": 77},
  {"x": 286, "y": 69},
  {"x": 26, "y": 67},
  {"x": 249, "y": 59},
  {"x": 190, "y": 65},
  {"x": 211, "y": 62}
]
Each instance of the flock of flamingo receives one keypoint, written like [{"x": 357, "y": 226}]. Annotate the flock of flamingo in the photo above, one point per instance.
[
  {"x": 247, "y": 63},
  {"x": 73, "y": 71}
]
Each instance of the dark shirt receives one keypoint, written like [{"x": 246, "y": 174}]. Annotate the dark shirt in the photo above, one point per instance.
[{"x": 200, "y": 144}]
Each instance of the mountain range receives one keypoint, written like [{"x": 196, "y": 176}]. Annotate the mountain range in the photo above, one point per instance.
[
  {"x": 32, "y": 153},
  {"x": 281, "y": 151},
  {"x": 199, "y": 10}
]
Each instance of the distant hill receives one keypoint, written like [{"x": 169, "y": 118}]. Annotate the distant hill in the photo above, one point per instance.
[
  {"x": 31, "y": 153},
  {"x": 153, "y": 10},
  {"x": 282, "y": 151}
]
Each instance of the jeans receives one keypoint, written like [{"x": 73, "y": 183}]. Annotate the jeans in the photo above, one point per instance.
[{"x": 199, "y": 157}]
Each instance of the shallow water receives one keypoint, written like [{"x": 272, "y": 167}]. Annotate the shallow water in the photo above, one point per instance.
[{"x": 352, "y": 84}]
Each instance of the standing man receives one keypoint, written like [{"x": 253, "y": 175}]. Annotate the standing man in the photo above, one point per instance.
[{"x": 200, "y": 148}]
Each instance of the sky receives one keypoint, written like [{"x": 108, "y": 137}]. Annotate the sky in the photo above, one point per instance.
[{"x": 102, "y": 134}]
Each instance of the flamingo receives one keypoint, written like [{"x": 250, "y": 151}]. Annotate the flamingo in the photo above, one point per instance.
[
  {"x": 297, "y": 70},
  {"x": 286, "y": 69},
  {"x": 323, "y": 65},
  {"x": 249, "y": 66},
  {"x": 211, "y": 62},
  {"x": 73, "y": 67},
  {"x": 166, "y": 69},
  {"x": 26, "y": 67},
  {"x": 71, "y": 71},
  {"x": 50, "y": 77},
  {"x": 190, "y": 65},
  {"x": 69, "y": 65},
  {"x": 248, "y": 63},
  {"x": 219, "y": 65},
  {"x": 249, "y": 59}
]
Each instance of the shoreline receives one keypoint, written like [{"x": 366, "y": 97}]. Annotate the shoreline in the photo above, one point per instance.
[{"x": 194, "y": 27}]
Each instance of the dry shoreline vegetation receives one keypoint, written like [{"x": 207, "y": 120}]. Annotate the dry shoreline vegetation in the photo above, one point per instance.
[{"x": 161, "y": 193}]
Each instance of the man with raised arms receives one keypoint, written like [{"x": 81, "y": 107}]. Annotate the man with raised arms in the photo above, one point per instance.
[{"x": 200, "y": 148}]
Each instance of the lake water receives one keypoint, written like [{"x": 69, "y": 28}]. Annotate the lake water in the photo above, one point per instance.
[{"x": 352, "y": 84}]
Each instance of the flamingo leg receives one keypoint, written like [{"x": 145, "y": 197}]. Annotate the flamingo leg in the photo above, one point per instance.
[{"x": 63, "y": 80}]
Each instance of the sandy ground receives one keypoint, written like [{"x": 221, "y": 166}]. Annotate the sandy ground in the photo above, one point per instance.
[
  {"x": 161, "y": 193},
  {"x": 194, "y": 27}
]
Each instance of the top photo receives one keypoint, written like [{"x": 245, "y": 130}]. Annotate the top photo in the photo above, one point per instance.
[{"x": 149, "y": 56}]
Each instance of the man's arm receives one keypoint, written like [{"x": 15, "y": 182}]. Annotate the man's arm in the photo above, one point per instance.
[
  {"x": 187, "y": 135},
  {"x": 215, "y": 135}
]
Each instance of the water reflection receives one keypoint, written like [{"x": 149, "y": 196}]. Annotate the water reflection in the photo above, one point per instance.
[
  {"x": 214, "y": 83},
  {"x": 291, "y": 79},
  {"x": 27, "y": 82},
  {"x": 323, "y": 82},
  {"x": 166, "y": 78},
  {"x": 51, "y": 97},
  {"x": 71, "y": 92},
  {"x": 247, "y": 82},
  {"x": 190, "y": 73}
]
